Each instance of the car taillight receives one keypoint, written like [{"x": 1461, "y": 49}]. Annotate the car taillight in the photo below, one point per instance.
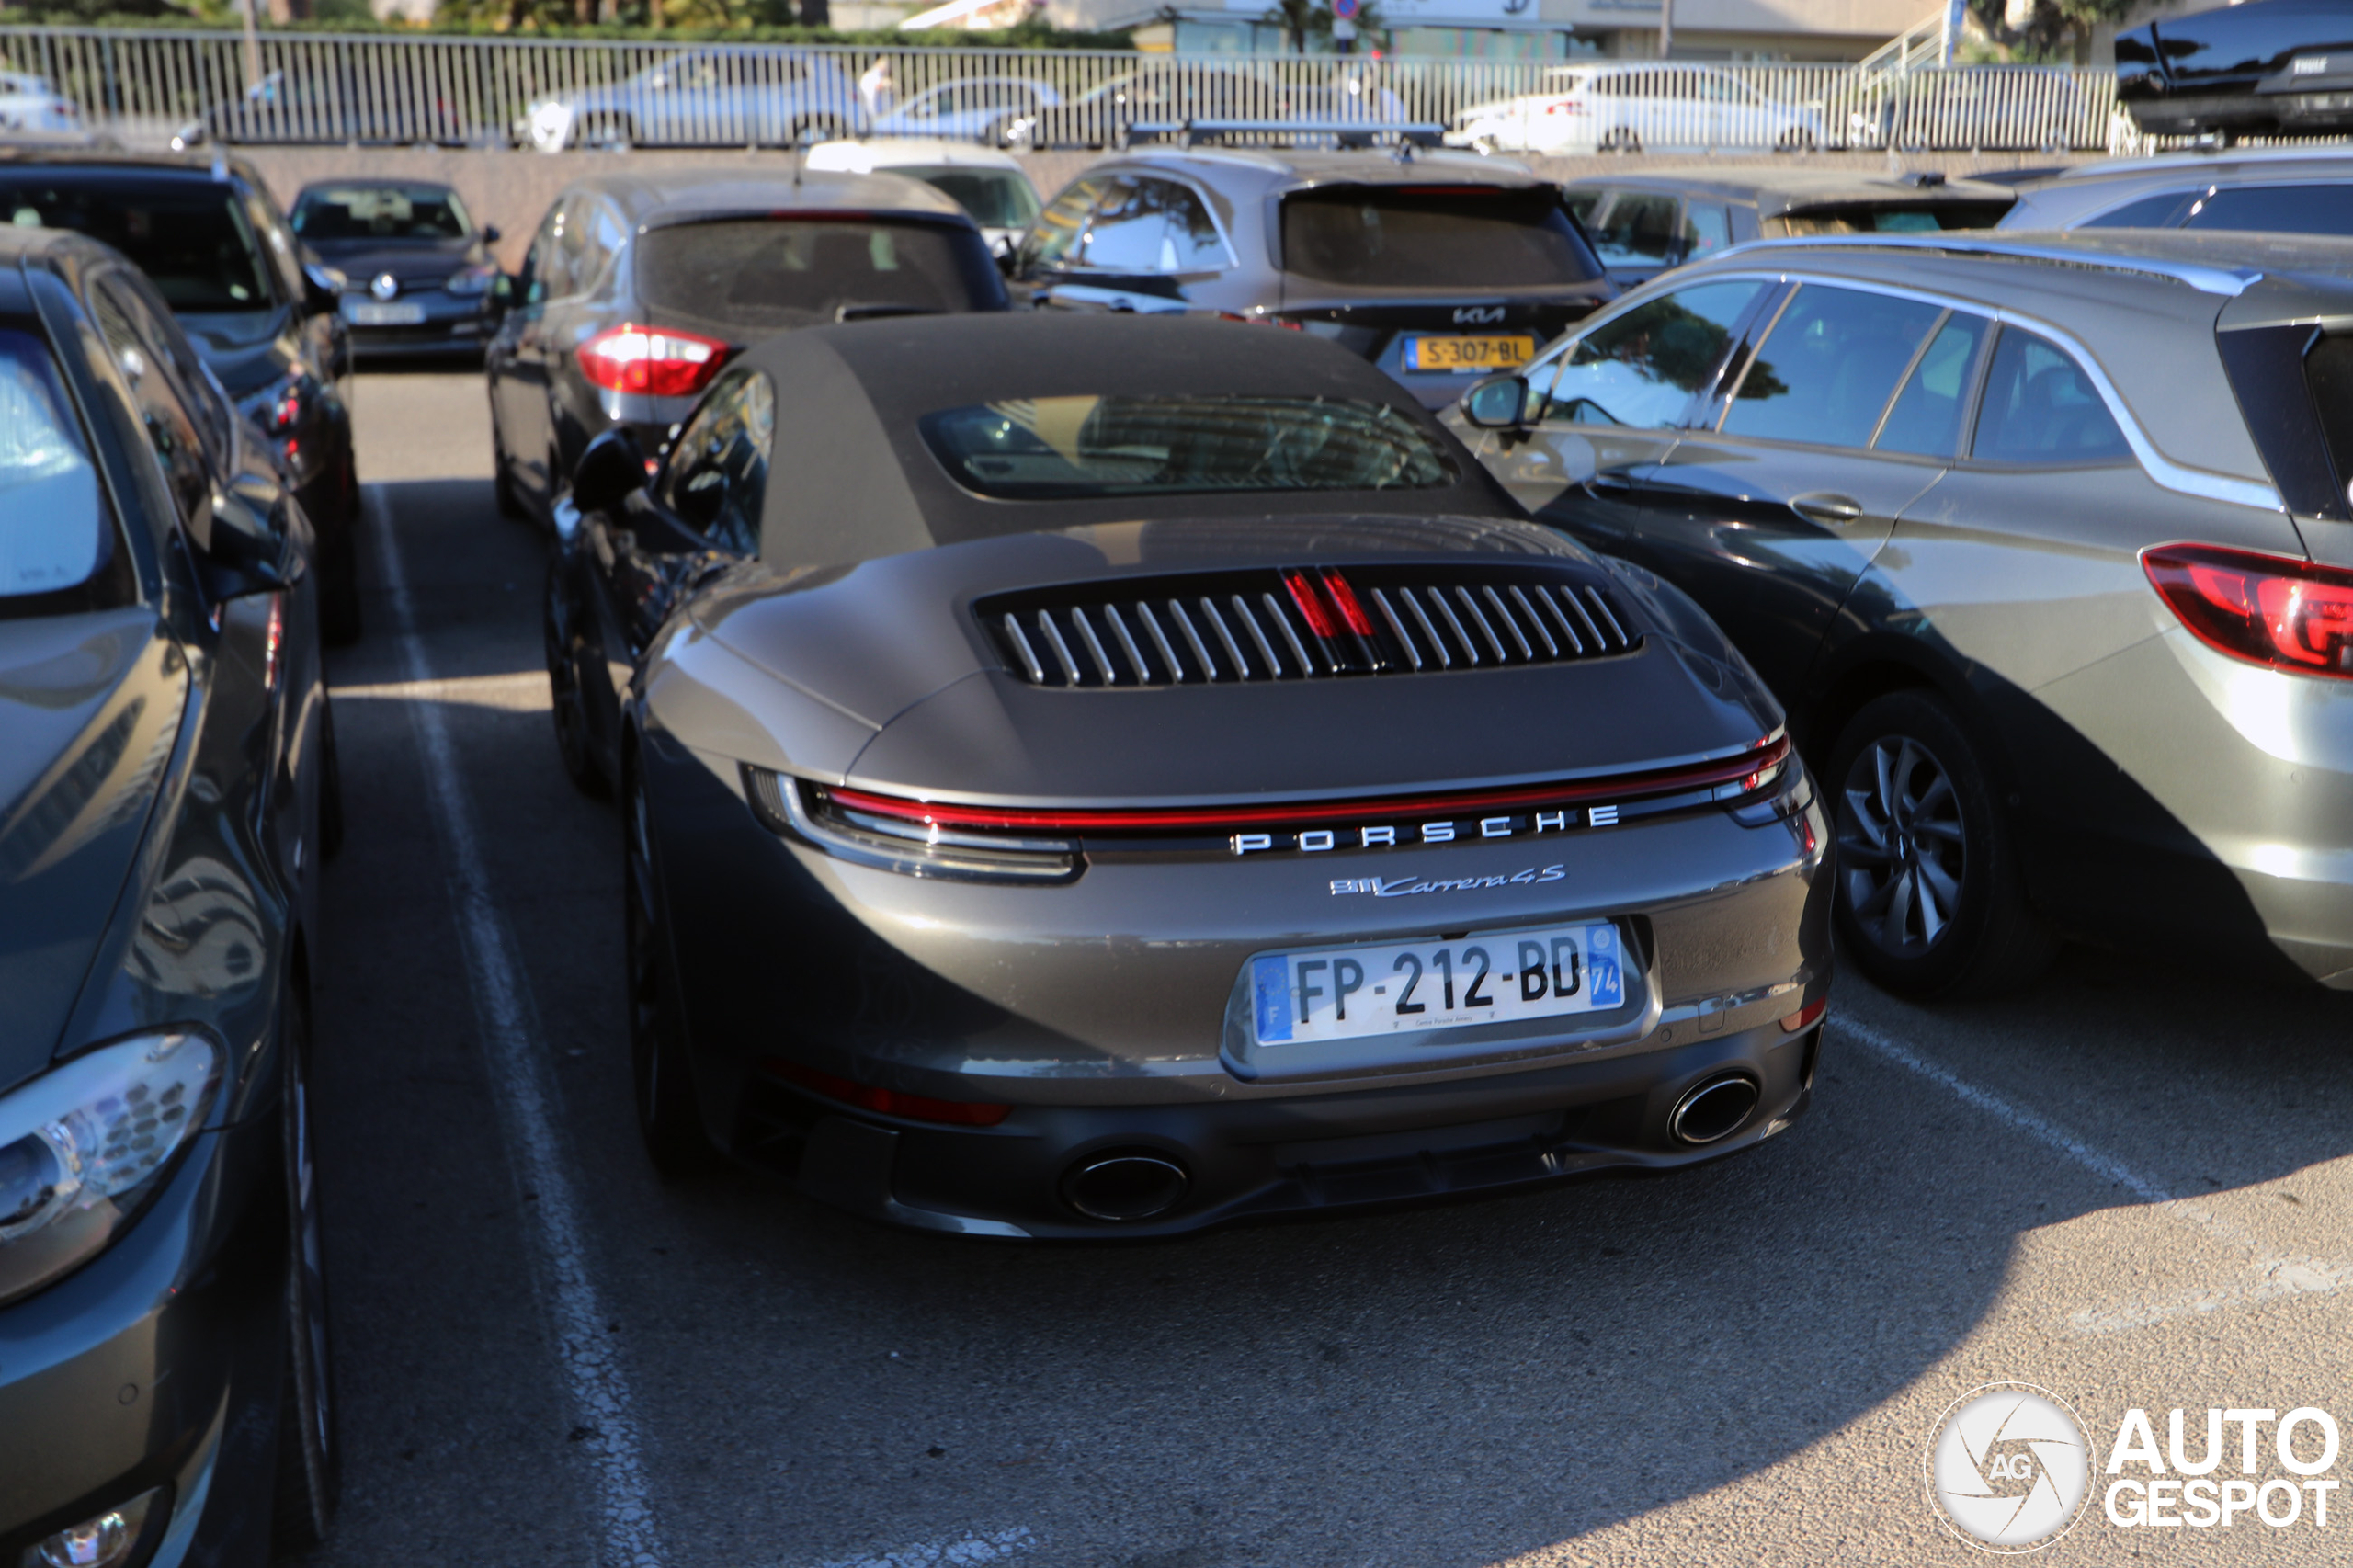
[
  {"x": 1263, "y": 321},
  {"x": 2268, "y": 609},
  {"x": 1564, "y": 106},
  {"x": 889, "y": 1102},
  {"x": 657, "y": 362}
]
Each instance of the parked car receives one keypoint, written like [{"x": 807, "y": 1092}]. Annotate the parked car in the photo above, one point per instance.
[
  {"x": 266, "y": 322},
  {"x": 988, "y": 185},
  {"x": 1625, "y": 109},
  {"x": 340, "y": 104},
  {"x": 2278, "y": 192},
  {"x": 2038, "y": 540},
  {"x": 1210, "y": 639},
  {"x": 418, "y": 277},
  {"x": 971, "y": 108},
  {"x": 166, "y": 795},
  {"x": 1643, "y": 224},
  {"x": 1435, "y": 269},
  {"x": 738, "y": 96},
  {"x": 1160, "y": 93},
  {"x": 639, "y": 286},
  {"x": 33, "y": 104},
  {"x": 2266, "y": 68}
]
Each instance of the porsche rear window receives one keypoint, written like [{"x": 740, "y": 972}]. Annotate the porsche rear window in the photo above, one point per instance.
[
  {"x": 1434, "y": 237},
  {"x": 1075, "y": 448},
  {"x": 788, "y": 272}
]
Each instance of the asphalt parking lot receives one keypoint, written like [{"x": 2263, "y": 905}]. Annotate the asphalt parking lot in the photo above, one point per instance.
[{"x": 2129, "y": 1184}]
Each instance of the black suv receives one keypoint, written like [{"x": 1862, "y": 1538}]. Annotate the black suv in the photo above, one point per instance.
[
  {"x": 1436, "y": 267},
  {"x": 267, "y": 325}
]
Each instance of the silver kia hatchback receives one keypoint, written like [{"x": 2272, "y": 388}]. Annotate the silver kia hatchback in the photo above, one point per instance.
[{"x": 2043, "y": 542}]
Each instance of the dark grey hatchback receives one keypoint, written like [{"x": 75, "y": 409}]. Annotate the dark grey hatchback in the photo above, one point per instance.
[
  {"x": 166, "y": 795},
  {"x": 639, "y": 289}
]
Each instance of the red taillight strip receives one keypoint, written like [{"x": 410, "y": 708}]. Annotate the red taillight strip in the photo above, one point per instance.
[
  {"x": 1765, "y": 755},
  {"x": 1311, "y": 605},
  {"x": 888, "y": 1102}
]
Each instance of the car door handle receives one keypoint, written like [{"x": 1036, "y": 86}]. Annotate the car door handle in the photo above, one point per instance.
[{"x": 1824, "y": 507}]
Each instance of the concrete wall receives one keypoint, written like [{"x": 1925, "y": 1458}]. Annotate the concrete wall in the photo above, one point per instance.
[{"x": 513, "y": 191}]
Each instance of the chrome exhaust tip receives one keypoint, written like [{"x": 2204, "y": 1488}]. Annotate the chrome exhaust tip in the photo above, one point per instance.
[
  {"x": 1125, "y": 1184},
  {"x": 1714, "y": 1110}
]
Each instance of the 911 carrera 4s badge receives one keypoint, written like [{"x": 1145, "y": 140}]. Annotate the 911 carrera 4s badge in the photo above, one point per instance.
[
  {"x": 1401, "y": 887},
  {"x": 1394, "y": 987}
]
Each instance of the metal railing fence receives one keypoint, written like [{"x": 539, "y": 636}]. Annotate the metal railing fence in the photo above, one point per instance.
[{"x": 146, "y": 88}]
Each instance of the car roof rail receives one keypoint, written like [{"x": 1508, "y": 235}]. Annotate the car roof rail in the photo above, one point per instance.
[
  {"x": 1351, "y": 133},
  {"x": 2229, "y": 281}
]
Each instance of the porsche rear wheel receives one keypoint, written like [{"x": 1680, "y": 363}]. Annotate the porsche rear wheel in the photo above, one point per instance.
[{"x": 667, "y": 1117}]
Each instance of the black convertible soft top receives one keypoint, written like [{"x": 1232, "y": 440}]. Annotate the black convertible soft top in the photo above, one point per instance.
[{"x": 851, "y": 479}]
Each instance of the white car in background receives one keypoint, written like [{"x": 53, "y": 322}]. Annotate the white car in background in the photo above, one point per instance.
[
  {"x": 32, "y": 104},
  {"x": 1625, "y": 108},
  {"x": 988, "y": 184}
]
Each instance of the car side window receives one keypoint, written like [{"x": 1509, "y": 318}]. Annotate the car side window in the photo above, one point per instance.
[
  {"x": 2276, "y": 209},
  {"x": 1153, "y": 225},
  {"x": 2040, "y": 407},
  {"x": 718, "y": 472},
  {"x": 171, "y": 428},
  {"x": 1582, "y": 205},
  {"x": 1059, "y": 225},
  {"x": 1826, "y": 371},
  {"x": 1640, "y": 230},
  {"x": 1924, "y": 420},
  {"x": 2150, "y": 212},
  {"x": 1707, "y": 228},
  {"x": 550, "y": 266},
  {"x": 1639, "y": 370}
]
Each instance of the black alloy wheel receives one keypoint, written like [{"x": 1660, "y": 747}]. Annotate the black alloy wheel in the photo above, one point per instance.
[
  {"x": 667, "y": 1117},
  {"x": 572, "y": 743},
  {"x": 1930, "y": 899},
  {"x": 310, "y": 1453},
  {"x": 1621, "y": 140}
]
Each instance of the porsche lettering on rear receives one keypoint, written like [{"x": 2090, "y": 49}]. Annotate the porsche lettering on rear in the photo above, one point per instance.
[{"x": 1312, "y": 841}]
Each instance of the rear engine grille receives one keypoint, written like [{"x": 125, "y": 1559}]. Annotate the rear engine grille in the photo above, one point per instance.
[{"x": 1304, "y": 623}]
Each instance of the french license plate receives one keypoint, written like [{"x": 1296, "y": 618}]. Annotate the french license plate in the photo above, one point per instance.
[
  {"x": 1468, "y": 352},
  {"x": 373, "y": 312},
  {"x": 1505, "y": 977}
]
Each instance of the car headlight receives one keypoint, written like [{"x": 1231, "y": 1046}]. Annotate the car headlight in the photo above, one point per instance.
[
  {"x": 83, "y": 1145},
  {"x": 473, "y": 280}
]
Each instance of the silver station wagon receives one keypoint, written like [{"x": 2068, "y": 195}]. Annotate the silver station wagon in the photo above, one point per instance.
[{"x": 2043, "y": 542}]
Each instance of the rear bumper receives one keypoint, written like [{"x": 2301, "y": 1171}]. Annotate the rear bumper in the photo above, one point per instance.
[{"x": 1102, "y": 1011}]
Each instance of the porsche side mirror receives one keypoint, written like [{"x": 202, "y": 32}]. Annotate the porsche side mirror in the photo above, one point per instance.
[
  {"x": 1498, "y": 402},
  {"x": 243, "y": 551},
  {"x": 611, "y": 471}
]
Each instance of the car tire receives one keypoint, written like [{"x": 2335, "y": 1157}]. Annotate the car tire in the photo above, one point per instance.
[
  {"x": 310, "y": 1451},
  {"x": 818, "y": 127},
  {"x": 668, "y": 1119},
  {"x": 574, "y": 742},
  {"x": 605, "y": 132},
  {"x": 1620, "y": 140},
  {"x": 1931, "y": 899},
  {"x": 1796, "y": 140},
  {"x": 330, "y": 784}
]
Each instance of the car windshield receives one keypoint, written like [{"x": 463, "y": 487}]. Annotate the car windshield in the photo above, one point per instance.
[
  {"x": 1888, "y": 218},
  {"x": 997, "y": 198},
  {"x": 1436, "y": 237},
  {"x": 191, "y": 236},
  {"x": 56, "y": 531},
  {"x": 786, "y": 272},
  {"x": 1075, "y": 448},
  {"x": 381, "y": 212}
]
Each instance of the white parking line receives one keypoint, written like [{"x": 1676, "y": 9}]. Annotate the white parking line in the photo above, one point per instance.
[
  {"x": 968, "y": 1552},
  {"x": 2269, "y": 1276},
  {"x": 502, "y": 1005}
]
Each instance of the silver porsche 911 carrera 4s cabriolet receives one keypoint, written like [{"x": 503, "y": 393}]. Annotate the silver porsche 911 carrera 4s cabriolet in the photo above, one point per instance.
[{"x": 1095, "y": 777}]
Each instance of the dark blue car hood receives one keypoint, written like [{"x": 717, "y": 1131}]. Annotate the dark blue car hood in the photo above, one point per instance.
[{"x": 90, "y": 705}]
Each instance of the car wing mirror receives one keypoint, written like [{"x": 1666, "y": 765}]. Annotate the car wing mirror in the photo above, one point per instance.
[
  {"x": 609, "y": 472},
  {"x": 244, "y": 550},
  {"x": 1498, "y": 402}
]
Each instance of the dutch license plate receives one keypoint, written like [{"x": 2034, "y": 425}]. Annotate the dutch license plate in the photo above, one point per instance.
[
  {"x": 1468, "y": 352},
  {"x": 1392, "y": 988},
  {"x": 371, "y": 313}
]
